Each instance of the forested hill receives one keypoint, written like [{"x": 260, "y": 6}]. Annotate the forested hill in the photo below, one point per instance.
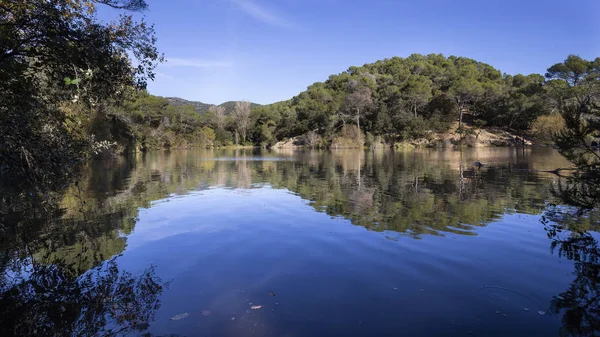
[
  {"x": 230, "y": 106},
  {"x": 408, "y": 98},
  {"x": 426, "y": 99},
  {"x": 202, "y": 108}
]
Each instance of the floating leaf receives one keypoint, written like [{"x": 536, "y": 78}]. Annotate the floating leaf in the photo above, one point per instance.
[
  {"x": 271, "y": 293},
  {"x": 180, "y": 316}
]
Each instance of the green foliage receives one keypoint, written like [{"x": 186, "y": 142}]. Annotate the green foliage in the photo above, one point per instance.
[
  {"x": 57, "y": 51},
  {"x": 199, "y": 107},
  {"x": 413, "y": 97},
  {"x": 350, "y": 136},
  {"x": 521, "y": 100},
  {"x": 397, "y": 99},
  {"x": 156, "y": 124},
  {"x": 230, "y": 106},
  {"x": 575, "y": 90}
]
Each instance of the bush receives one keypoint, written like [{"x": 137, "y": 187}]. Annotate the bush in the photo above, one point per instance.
[
  {"x": 544, "y": 128},
  {"x": 373, "y": 141},
  {"x": 205, "y": 137},
  {"x": 349, "y": 137},
  {"x": 312, "y": 139},
  {"x": 410, "y": 127},
  {"x": 223, "y": 138}
]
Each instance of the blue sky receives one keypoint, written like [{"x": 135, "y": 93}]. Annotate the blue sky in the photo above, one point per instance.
[{"x": 270, "y": 50}]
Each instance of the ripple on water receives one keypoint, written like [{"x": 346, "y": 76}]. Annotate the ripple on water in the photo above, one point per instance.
[{"x": 509, "y": 299}]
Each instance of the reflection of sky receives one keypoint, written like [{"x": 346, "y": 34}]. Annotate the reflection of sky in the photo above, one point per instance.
[
  {"x": 223, "y": 249},
  {"x": 208, "y": 211}
]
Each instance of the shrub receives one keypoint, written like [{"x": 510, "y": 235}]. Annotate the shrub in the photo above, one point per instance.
[
  {"x": 544, "y": 128},
  {"x": 206, "y": 137},
  {"x": 312, "y": 139},
  {"x": 349, "y": 137}
]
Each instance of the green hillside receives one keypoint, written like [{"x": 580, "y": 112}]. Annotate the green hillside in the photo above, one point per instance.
[{"x": 202, "y": 107}]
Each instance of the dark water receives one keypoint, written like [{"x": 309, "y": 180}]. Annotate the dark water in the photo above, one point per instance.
[{"x": 343, "y": 243}]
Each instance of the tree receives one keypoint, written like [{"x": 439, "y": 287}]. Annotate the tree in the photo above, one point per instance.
[
  {"x": 417, "y": 92},
  {"x": 219, "y": 116},
  {"x": 357, "y": 101},
  {"x": 575, "y": 89},
  {"x": 241, "y": 118},
  {"x": 57, "y": 51},
  {"x": 465, "y": 90}
]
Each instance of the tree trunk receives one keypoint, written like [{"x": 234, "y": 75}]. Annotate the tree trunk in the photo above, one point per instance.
[
  {"x": 415, "y": 110},
  {"x": 359, "y": 179},
  {"x": 460, "y": 112},
  {"x": 358, "y": 120}
]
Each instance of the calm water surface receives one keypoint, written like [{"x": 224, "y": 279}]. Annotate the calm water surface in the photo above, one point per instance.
[{"x": 267, "y": 243}]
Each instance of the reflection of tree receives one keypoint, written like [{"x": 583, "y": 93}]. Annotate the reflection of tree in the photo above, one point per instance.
[
  {"x": 54, "y": 278},
  {"x": 581, "y": 189},
  {"x": 50, "y": 300},
  {"x": 580, "y": 304},
  {"x": 244, "y": 174},
  {"x": 69, "y": 235},
  {"x": 380, "y": 190}
]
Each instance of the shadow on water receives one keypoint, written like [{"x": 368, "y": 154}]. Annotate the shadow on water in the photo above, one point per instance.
[{"x": 59, "y": 255}]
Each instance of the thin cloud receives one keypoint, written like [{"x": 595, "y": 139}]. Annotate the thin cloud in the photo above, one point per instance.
[
  {"x": 191, "y": 63},
  {"x": 163, "y": 75},
  {"x": 262, "y": 14}
]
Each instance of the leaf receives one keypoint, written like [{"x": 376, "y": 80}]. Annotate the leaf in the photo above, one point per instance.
[
  {"x": 67, "y": 80},
  {"x": 76, "y": 81},
  {"x": 180, "y": 316}
]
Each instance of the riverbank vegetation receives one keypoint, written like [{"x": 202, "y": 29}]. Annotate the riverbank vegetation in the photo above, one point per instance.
[
  {"x": 61, "y": 71},
  {"x": 72, "y": 87}
]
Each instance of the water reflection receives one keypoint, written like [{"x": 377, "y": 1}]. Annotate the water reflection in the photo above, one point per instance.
[
  {"x": 59, "y": 254},
  {"x": 413, "y": 192},
  {"x": 572, "y": 239},
  {"x": 58, "y": 270},
  {"x": 51, "y": 300}
]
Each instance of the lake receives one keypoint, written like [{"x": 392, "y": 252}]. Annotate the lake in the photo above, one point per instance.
[{"x": 303, "y": 243}]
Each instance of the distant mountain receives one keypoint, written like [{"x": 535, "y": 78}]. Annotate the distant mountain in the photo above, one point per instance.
[
  {"x": 230, "y": 106},
  {"x": 201, "y": 107}
]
